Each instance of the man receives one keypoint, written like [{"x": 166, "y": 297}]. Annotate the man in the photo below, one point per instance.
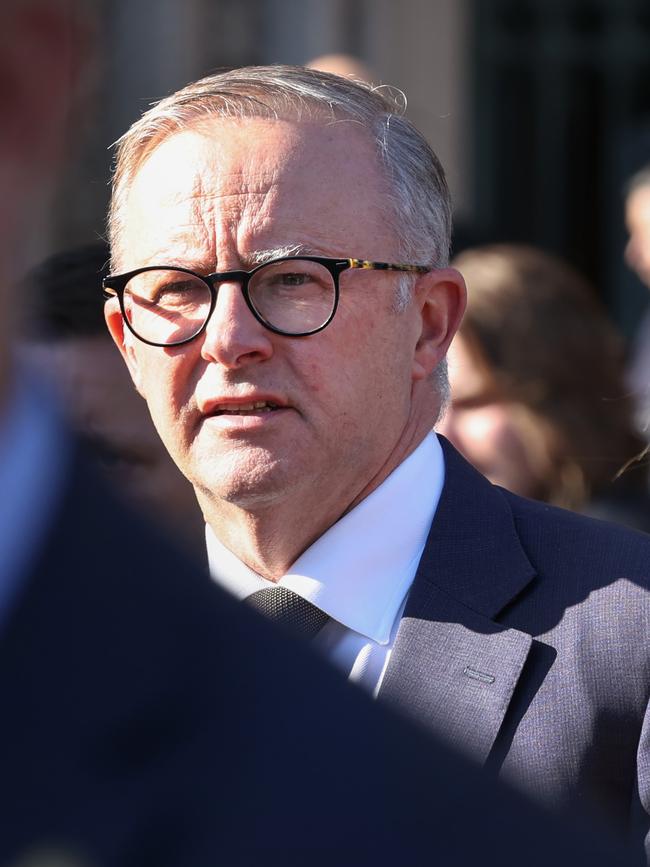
[
  {"x": 146, "y": 718},
  {"x": 281, "y": 297},
  {"x": 65, "y": 337}
]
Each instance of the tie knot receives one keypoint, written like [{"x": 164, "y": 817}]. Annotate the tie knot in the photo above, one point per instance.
[{"x": 288, "y": 608}]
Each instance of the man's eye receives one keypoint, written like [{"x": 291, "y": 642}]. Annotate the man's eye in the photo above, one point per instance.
[
  {"x": 178, "y": 294},
  {"x": 291, "y": 282},
  {"x": 175, "y": 289},
  {"x": 292, "y": 278}
]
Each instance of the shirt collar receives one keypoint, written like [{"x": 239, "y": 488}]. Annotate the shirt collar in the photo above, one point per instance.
[{"x": 361, "y": 568}]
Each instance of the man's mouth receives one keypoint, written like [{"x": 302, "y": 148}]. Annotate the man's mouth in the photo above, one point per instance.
[{"x": 242, "y": 408}]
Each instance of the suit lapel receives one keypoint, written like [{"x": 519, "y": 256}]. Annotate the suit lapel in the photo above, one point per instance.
[{"x": 453, "y": 667}]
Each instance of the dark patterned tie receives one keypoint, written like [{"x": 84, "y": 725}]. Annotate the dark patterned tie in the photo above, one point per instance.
[{"x": 284, "y": 606}]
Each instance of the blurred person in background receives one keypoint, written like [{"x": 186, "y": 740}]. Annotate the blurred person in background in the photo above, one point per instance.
[
  {"x": 66, "y": 338},
  {"x": 637, "y": 221},
  {"x": 539, "y": 403},
  {"x": 637, "y": 256}
]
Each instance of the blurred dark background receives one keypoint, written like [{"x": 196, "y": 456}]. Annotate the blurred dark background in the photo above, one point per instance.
[{"x": 539, "y": 109}]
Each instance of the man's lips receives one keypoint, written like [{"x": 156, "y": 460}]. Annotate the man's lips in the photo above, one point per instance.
[
  {"x": 241, "y": 407},
  {"x": 244, "y": 408}
]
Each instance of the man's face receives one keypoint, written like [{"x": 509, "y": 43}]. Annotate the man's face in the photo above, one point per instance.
[{"x": 214, "y": 199}]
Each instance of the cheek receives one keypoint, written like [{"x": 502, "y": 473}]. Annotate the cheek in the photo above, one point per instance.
[
  {"x": 341, "y": 386},
  {"x": 314, "y": 376},
  {"x": 166, "y": 385},
  {"x": 162, "y": 375}
]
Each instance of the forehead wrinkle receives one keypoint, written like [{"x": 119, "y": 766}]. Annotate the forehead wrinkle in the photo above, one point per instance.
[
  {"x": 200, "y": 211},
  {"x": 232, "y": 206},
  {"x": 234, "y": 184},
  {"x": 233, "y": 210},
  {"x": 248, "y": 216},
  {"x": 189, "y": 246}
]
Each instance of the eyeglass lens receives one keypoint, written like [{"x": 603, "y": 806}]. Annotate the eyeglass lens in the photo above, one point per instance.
[{"x": 165, "y": 306}]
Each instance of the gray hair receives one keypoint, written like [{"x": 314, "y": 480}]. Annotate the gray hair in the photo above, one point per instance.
[
  {"x": 417, "y": 191},
  {"x": 417, "y": 187}
]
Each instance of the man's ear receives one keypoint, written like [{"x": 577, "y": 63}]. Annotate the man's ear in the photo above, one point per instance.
[
  {"x": 123, "y": 339},
  {"x": 441, "y": 298}
]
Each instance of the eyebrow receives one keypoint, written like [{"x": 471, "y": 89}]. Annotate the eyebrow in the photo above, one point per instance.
[{"x": 259, "y": 257}]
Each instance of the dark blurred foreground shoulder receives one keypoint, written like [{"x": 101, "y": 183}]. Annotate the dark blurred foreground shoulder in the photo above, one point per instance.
[{"x": 148, "y": 719}]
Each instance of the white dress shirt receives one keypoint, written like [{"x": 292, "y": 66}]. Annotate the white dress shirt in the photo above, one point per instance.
[{"x": 361, "y": 569}]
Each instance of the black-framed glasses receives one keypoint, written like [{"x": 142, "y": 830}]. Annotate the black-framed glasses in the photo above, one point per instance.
[{"x": 293, "y": 295}]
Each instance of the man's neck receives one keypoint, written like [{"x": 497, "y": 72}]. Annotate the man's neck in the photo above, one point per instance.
[{"x": 269, "y": 539}]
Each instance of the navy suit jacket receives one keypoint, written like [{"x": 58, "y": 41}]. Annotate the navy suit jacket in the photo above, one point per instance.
[
  {"x": 149, "y": 720},
  {"x": 525, "y": 643}
]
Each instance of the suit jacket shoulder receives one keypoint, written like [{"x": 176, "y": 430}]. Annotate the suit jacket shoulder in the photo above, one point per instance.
[{"x": 524, "y": 643}]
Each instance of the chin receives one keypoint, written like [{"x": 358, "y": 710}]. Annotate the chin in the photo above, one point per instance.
[{"x": 249, "y": 485}]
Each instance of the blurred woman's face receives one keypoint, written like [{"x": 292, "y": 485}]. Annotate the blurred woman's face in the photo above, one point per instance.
[
  {"x": 637, "y": 220},
  {"x": 481, "y": 423}
]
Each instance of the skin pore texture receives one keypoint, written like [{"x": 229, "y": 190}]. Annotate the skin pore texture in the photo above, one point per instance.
[{"x": 342, "y": 407}]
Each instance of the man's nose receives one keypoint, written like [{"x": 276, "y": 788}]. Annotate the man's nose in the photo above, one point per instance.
[{"x": 233, "y": 336}]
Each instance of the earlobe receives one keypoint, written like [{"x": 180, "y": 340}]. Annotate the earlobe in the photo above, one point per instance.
[
  {"x": 122, "y": 339},
  {"x": 441, "y": 297}
]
